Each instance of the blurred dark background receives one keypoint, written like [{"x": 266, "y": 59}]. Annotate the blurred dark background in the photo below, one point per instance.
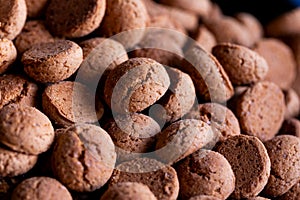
[{"x": 264, "y": 10}]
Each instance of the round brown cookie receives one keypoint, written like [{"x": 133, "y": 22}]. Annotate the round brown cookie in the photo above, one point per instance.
[
  {"x": 178, "y": 100},
  {"x": 8, "y": 54},
  {"x": 222, "y": 120},
  {"x": 161, "y": 45},
  {"x": 205, "y": 38},
  {"x": 162, "y": 180},
  {"x": 211, "y": 82},
  {"x": 135, "y": 85},
  {"x": 260, "y": 110},
  {"x": 292, "y": 194},
  {"x": 67, "y": 103},
  {"x": 25, "y": 129},
  {"x": 128, "y": 191},
  {"x": 40, "y": 188},
  {"x": 35, "y": 8},
  {"x": 52, "y": 62},
  {"x": 242, "y": 65},
  {"x": 18, "y": 90},
  {"x": 284, "y": 152},
  {"x": 83, "y": 157},
  {"x": 205, "y": 173},
  {"x": 181, "y": 139},
  {"x": 133, "y": 15},
  {"x": 100, "y": 55},
  {"x": 253, "y": 26},
  {"x": 132, "y": 134},
  {"x": 200, "y": 8},
  {"x": 290, "y": 126},
  {"x": 229, "y": 29},
  {"x": 13, "y": 163},
  {"x": 250, "y": 163},
  {"x": 12, "y": 18},
  {"x": 277, "y": 54},
  {"x": 34, "y": 32},
  {"x": 292, "y": 103},
  {"x": 74, "y": 18},
  {"x": 286, "y": 24},
  {"x": 204, "y": 197},
  {"x": 187, "y": 19}
]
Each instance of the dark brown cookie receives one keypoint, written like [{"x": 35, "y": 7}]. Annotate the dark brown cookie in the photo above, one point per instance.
[
  {"x": 34, "y": 32},
  {"x": 13, "y": 163},
  {"x": 162, "y": 180},
  {"x": 292, "y": 103},
  {"x": 284, "y": 152},
  {"x": 290, "y": 126},
  {"x": 205, "y": 38},
  {"x": 25, "y": 129},
  {"x": 261, "y": 109},
  {"x": 250, "y": 163},
  {"x": 8, "y": 54},
  {"x": 40, "y": 188},
  {"x": 278, "y": 54},
  {"x": 183, "y": 138},
  {"x": 12, "y": 18},
  {"x": 83, "y": 157},
  {"x": 178, "y": 100},
  {"x": 210, "y": 80},
  {"x": 222, "y": 120},
  {"x": 133, "y": 135},
  {"x": 242, "y": 65},
  {"x": 286, "y": 24},
  {"x": 128, "y": 191},
  {"x": 133, "y": 16},
  {"x": 205, "y": 173},
  {"x": 292, "y": 194},
  {"x": 18, "y": 90},
  {"x": 100, "y": 56},
  {"x": 135, "y": 85},
  {"x": 204, "y": 197},
  {"x": 75, "y": 18},
  {"x": 67, "y": 103},
  {"x": 52, "y": 62},
  {"x": 35, "y": 8}
]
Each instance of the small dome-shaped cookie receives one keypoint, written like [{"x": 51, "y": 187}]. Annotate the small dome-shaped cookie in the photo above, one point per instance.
[{"x": 8, "y": 54}]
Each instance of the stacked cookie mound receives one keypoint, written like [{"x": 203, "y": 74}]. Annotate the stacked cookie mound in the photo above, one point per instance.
[{"x": 143, "y": 99}]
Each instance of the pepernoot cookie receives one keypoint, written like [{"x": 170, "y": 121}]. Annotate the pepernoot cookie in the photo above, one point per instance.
[
  {"x": 133, "y": 15},
  {"x": 18, "y": 90},
  {"x": 74, "y": 19},
  {"x": 39, "y": 188},
  {"x": 183, "y": 138},
  {"x": 161, "y": 179},
  {"x": 278, "y": 54},
  {"x": 292, "y": 103},
  {"x": 290, "y": 126},
  {"x": 129, "y": 191},
  {"x": 178, "y": 100},
  {"x": 12, "y": 18},
  {"x": 34, "y": 32},
  {"x": 205, "y": 38},
  {"x": 261, "y": 109},
  {"x": 284, "y": 152},
  {"x": 204, "y": 197},
  {"x": 8, "y": 54},
  {"x": 67, "y": 103},
  {"x": 52, "y": 62},
  {"x": 135, "y": 85},
  {"x": 25, "y": 129},
  {"x": 35, "y": 8},
  {"x": 132, "y": 134},
  {"x": 13, "y": 163},
  {"x": 222, "y": 120},
  {"x": 250, "y": 163},
  {"x": 83, "y": 157},
  {"x": 210, "y": 80},
  {"x": 100, "y": 56},
  {"x": 242, "y": 65},
  {"x": 205, "y": 172},
  {"x": 292, "y": 194}
]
